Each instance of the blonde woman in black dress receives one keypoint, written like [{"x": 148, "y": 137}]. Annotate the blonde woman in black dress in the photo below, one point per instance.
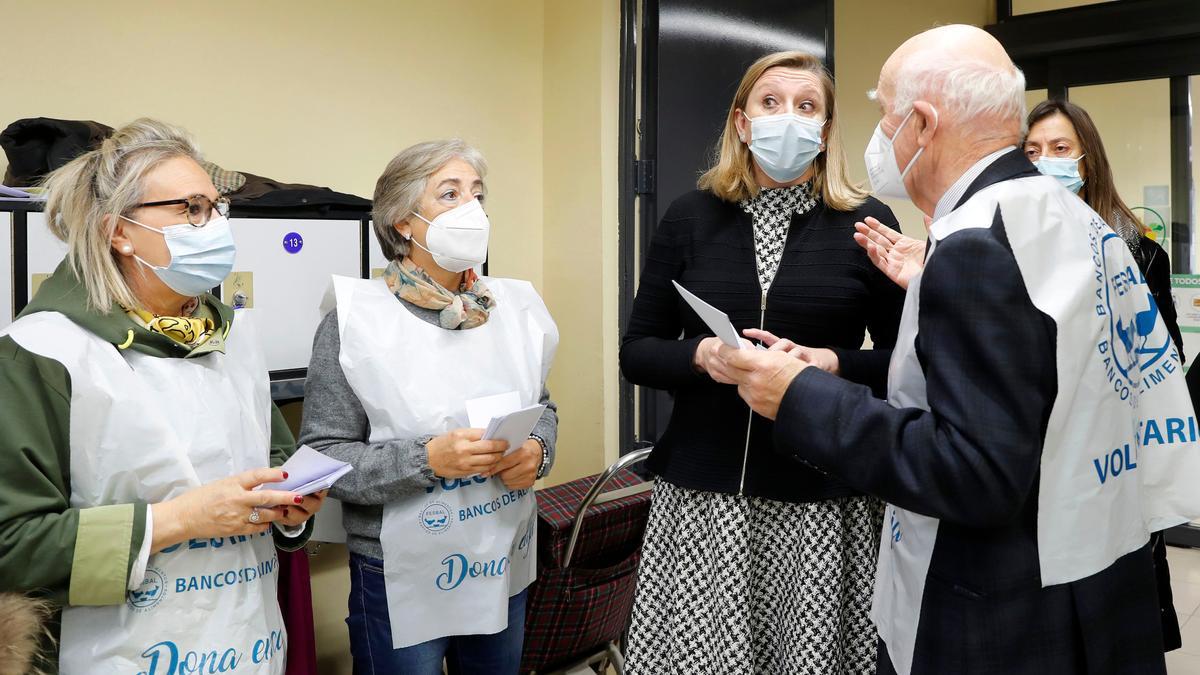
[{"x": 754, "y": 563}]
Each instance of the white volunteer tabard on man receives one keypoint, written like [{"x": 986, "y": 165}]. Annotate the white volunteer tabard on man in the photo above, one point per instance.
[{"x": 1119, "y": 447}]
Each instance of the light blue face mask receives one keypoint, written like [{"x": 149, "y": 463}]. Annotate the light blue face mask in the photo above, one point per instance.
[
  {"x": 1063, "y": 169},
  {"x": 785, "y": 145},
  {"x": 201, "y": 257}
]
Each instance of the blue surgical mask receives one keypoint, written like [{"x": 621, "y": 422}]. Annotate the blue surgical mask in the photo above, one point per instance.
[
  {"x": 1063, "y": 169},
  {"x": 201, "y": 257},
  {"x": 785, "y": 145}
]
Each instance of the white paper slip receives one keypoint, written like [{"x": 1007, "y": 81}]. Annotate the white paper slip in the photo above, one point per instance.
[
  {"x": 716, "y": 320},
  {"x": 310, "y": 471},
  {"x": 481, "y": 411},
  {"x": 514, "y": 427}
]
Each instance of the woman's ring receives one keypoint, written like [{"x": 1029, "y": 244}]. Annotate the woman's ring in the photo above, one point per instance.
[{"x": 255, "y": 516}]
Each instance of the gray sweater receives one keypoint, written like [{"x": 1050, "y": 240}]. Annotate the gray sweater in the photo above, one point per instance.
[{"x": 336, "y": 424}]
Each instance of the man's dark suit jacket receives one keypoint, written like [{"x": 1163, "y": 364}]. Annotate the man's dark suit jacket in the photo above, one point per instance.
[{"x": 973, "y": 461}]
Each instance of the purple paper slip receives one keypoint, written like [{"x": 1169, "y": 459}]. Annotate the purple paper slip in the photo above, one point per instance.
[{"x": 6, "y": 191}]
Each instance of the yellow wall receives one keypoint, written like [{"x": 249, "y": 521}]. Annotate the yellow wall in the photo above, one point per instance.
[
  {"x": 1034, "y": 97},
  {"x": 866, "y": 32},
  {"x": 580, "y": 223},
  {"x": 1135, "y": 124},
  {"x": 1031, "y": 6},
  {"x": 304, "y": 90}
]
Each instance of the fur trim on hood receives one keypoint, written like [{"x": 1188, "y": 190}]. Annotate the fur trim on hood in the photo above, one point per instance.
[{"x": 22, "y": 633}]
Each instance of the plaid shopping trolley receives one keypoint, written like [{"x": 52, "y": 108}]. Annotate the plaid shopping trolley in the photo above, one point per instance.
[{"x": 589, "y": 546}]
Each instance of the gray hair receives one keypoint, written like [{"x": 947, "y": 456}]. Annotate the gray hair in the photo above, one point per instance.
[
  {"x": 965, "y": 89},
  {"x": 398, "y": 191},
  {"x": 106, "y": 183}
]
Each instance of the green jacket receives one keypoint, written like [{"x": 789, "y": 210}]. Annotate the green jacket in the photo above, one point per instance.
[{"x": 48, "y": 548}]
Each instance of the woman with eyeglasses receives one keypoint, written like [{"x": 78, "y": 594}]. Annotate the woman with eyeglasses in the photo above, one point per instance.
[
  {"x": 138, "y": 428},
  {"x": 1063, "y": 142}
]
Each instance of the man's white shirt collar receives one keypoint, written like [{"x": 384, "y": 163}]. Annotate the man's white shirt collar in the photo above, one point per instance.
[{"x": 952, "y": 196}]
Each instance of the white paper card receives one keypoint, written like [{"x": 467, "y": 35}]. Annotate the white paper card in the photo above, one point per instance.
[
  {"x": 514, "y": 427},
  {"x": 481, "y": 411},
  {"x": 310, "y": 471},
  {"x": 716, "y": 320}
]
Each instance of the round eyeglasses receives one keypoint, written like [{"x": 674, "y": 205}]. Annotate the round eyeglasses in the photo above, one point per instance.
[{"x": 199, "y": 208}]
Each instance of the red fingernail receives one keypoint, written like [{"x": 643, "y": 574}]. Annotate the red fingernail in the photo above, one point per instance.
[
  {"x": 299, "y": 500},
  {"x": 285, "y": 475}
]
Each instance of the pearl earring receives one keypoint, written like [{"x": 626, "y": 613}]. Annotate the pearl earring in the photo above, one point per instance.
[{"x": 126, "y": 249}]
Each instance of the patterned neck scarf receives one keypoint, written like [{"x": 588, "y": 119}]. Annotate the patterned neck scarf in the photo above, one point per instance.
[
  {"x": 188, "y": 330},
  {"x": 465, "y": 309},
  {"x": 771, "y": 212}
]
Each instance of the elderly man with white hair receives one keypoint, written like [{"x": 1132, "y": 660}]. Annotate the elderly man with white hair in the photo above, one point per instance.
[{"x": 1037, "y": 427}]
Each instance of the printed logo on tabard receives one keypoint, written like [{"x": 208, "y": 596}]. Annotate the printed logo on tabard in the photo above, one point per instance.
[
  {"x": 1136, "y": 349},
  {"x": 435, "y": 518},
  {"x": 151, "y": 591}
]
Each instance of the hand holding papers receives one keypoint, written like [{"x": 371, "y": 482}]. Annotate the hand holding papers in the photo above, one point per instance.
[
  {"x": 503, "y": 419},
  {"x": 309, "y": 472},
  {"x": 514, "y": 427}
]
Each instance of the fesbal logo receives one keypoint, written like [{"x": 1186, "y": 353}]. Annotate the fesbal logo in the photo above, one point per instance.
[
  {"x": 1136, "y": 346},
  {"x": 435, "y": 518},
  {"x": 149, "y": 593}
]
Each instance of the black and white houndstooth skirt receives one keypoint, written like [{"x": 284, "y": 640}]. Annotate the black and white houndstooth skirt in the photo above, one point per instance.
[{"x": 733, "y": 585}]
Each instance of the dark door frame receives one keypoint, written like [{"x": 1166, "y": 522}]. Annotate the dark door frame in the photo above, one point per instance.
[
  {"x": 637, "y": 187},
  {"x": 626, "y": 194}
]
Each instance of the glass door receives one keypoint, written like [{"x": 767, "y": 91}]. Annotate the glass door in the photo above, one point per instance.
[{"x": 1134, "y": 120}]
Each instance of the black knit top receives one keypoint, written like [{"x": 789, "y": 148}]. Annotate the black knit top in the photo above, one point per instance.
[{"x": 825, "y": 293}]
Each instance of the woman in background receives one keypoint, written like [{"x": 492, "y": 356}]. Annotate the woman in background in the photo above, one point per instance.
[{"x": 1063, "y": 142}]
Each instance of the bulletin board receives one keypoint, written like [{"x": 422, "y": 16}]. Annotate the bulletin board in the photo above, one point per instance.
[
  {"x": 44, "y": 251},
  {"x": 376, "y": 262},
  {"x": 284, "y": 267}
]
